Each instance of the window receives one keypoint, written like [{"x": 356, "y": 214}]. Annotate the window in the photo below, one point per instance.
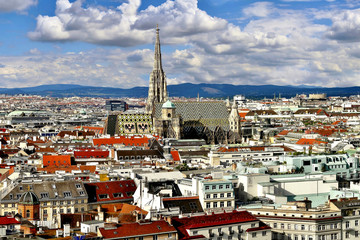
[
  {"x": 54, "y": 211},
  {"x": 129, "y": 194},
  {"x": 61, "y": 210},
  {"x": 67, "y": 194},
  {"x": 229, "y": 203},
  {"x": 207, "y": 187},
  {"x": 215, "y": 195},
  {"x": 347, "y": 235},
  {"x": 282, "y": 226},
  {"x": 221, "y": 186},
  {"x": 221, "y": 204},
  {"x": 356, "y": 233},
  {"x": 302, "y": 227},
  {"x": 264, "y": 233},
  {"x": 228, "y": 194},
  {"x": 213, "y": 187},
  {"x": 81, "y": 193},
  {"x": 28, "y": 213},
  {"x": 155, "y": 237},
  {"x": 227, "y": 186},
  {"x": 208, "y": 205},
  {"x": 45, "y": 211},
  {"x": 44, "y": 195},
  {"x": 356, "y": 222},
  {"x": 221, "y": 195},
  {"x": 68, "y": 210},
  {"x": 275, "y": 225},
  {"x": 103, "y": 196},
  {"x": 193, "y": 205},
  {"x": 77, "y": 185},
  {"x": 215, "y": 204},
  {"x": 347, "y": 224},
  {"x": 253, "y": 234},
  {"x": 289, "y": 226},
  {"x": 207, "y": 195},
  {"x": 117, "y": 195}
]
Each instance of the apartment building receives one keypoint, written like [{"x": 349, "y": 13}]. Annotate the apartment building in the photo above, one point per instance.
[{"x": 298, "y": 221}]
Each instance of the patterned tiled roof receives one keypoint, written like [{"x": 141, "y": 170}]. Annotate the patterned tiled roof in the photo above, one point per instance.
[{"x": 205, "y": 114}]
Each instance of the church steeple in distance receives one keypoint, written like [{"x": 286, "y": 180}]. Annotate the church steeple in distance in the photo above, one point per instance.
[{"x": 157, "y": 81}]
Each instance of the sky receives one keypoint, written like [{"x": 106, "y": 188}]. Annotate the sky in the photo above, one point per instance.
[{"x": 110, "y": 43}]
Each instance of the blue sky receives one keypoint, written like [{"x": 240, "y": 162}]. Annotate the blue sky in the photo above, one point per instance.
[{"x": 110, "y": 42}]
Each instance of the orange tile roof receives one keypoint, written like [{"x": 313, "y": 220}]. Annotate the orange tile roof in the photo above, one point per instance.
[
  {"x": 138, "y": 229},
  {"x": 175, "y": 155},
  {"x": 68, "y": 169},
  {"x": 128, "y": 141},
  {"x": 304, "y": 141},
  {"x": 97, "y": 130}
]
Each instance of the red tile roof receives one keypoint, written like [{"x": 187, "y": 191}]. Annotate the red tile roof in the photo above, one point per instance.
[
  {"x": 68, "y": 169},
  {"x": 127, "y": 141},
  {"x": 180, "y": 198},
  {"x": 8, "y": 221},
  {"x": 304, "y": 141},
  {"x": 111, "y": 191},
  {"x": 183, "y": 224},
  {"x": 138, "y": 229},
  {"x": 56, "y": 160},
  {"x": 283, "y": 133},
  {"x": 91, "y": 153},
  {"x": 96, "y": 130},
  {"x": 175, "y": 155},
  {"x": 258, "y": 228}
]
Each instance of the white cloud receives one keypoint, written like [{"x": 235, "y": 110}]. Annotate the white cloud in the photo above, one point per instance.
[
  {"x": 16, "y": 5},
  {"x": 346, "y": 26},
  {"x": 124, "y": 26},
  {"x": 276, "y": 45},
  {"x": 259, "y": 9}
]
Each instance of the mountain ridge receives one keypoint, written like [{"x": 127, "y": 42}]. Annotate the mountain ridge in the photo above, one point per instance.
[{"x": 180, "y": 90}]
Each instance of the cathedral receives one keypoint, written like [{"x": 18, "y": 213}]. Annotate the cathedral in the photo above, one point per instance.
[{"x": 213, "y": 121}]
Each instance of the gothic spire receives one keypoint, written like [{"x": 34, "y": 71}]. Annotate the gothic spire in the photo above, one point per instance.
[
  {"x": 157, "y": 83},
  {"x": 157, "y": 58}
]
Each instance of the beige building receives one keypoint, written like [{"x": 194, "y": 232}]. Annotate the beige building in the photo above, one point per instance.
[
  {"x": 298, "y": 221},
  {"x": 55, "y": 197},
  {"x": 350, "y": 210}
]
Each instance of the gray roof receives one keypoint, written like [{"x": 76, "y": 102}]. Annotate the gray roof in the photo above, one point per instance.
[
  {"x": 206, "y": 114},
  {"x": 48, "y": 191}
]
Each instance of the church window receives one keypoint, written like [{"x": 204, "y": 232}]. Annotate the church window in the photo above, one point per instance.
[{"x": 169, "y": 115}]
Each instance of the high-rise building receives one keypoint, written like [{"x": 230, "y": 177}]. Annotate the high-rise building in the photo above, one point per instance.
[
  {"x": 116, "y": 105},
  {"x": 157, "y": 82}
]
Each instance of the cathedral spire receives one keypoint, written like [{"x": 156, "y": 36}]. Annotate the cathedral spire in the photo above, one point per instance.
[
  {"x": 157, "y": 57},
  {"x": 157, "y": 83}
]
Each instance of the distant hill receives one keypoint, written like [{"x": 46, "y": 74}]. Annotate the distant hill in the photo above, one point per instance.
[{"x": 181, "y": 90}]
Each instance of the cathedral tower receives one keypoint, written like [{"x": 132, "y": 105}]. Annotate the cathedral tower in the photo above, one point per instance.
[{"x": 157, "y": 83}]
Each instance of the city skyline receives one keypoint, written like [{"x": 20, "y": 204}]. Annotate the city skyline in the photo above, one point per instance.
[{"x": 111, "y": 43}]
